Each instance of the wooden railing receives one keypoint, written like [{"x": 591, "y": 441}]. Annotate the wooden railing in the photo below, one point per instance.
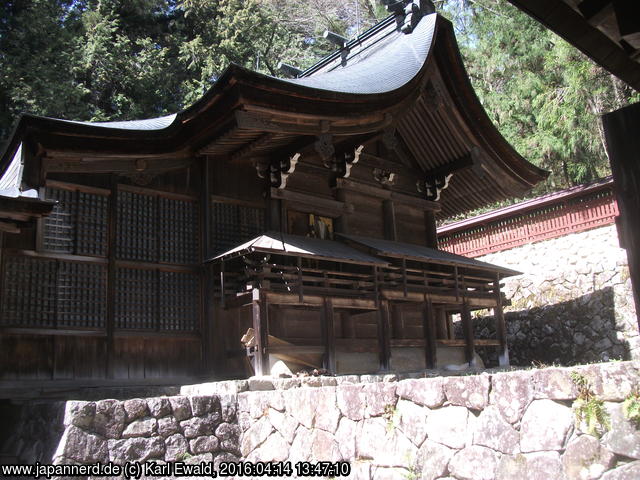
[{"x": 551, "y": 220}]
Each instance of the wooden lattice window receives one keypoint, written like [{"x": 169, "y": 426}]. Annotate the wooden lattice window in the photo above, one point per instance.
[
  {"x": 148, "y": 299},
  {"x": 178, "y": 295},
  {"x": 78, "y": 223},
  {"x": 50, "y": 293},
  {"x": 234, "y": 224},
  {"x": 178, "y": 231},
  {"x": 153, "y": 228}
]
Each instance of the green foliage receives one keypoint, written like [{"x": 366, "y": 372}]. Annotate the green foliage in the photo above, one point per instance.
[
  {"x": 545, "y": 96},
  {"x": 588, "y": 409},
  {"x": 631, "y": 407}
]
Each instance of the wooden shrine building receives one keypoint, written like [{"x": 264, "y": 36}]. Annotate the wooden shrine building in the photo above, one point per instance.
[{"x": 301, "y": 208}]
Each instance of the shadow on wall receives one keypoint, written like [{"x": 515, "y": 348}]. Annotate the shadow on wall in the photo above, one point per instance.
[{"x": 582, "y": 330}]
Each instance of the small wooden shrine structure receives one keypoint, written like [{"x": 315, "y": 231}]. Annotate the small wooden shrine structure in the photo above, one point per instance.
[{"x": 304, "y": 208}]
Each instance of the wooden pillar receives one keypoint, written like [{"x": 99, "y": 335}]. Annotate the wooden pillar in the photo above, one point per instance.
[
  {"x": 622, "y": 129},
  {"x": 211, "y": 354},
  {"x": 261, "y": 331},
  {"x": 501, "y": 328},
  {"x": 275, "y": 222},
  {"x": 329, "y": 335},
  {"x": 390, "y": 228},
  {"x": 432, "y": 234},
  {"x": 430, "y": 333},
  {"x": 112, "y": 211},
  {"x": 384, "y": 341},
  {"x": 441, "y": 323},
  {"x": 342, "y": 222},
  {"x": 467, "y": 325}
]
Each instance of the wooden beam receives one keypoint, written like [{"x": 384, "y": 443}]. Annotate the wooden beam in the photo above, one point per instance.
[
  {"x": 112, "y": 211},
  {"x": 432, "y": 233},
  {"x": 623, "y": 144},
  {"x": 384, "y": 346},
  {"x": 261, "y": 329},
  {"x": 390, "y": 228},
  {"x": 430, "y": 333},
  {"x": 328, "y": 323},
  {"x": 327, "y": 204},
  {"x": 397, "y": 197},
  {"x": 8, "y": 227},
  {"x": 467, "y": 326},
  {"x": 501, "y": 328}
]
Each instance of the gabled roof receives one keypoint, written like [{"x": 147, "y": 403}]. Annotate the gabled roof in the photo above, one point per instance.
[
  {"x": 392, "y": 249},
  {"x": 413, "y": 87},
  {"x": 295, "y": 245}
]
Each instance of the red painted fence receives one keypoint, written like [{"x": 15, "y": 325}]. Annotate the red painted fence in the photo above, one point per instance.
[{"x": 573, "y": 210}]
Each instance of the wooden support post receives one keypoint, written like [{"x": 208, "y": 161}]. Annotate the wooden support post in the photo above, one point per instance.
[
  {"x": 457, "y": 287},
  {"x": 300, "y": 286},
  {"x": 404, "y": 276},
  {"x": 467, "y": 325},
  {"x": 112, "y": 210},
  {"x": 390, "y": 228},
  {"x": 384, "y": 342},
  {"x": 222, "y": 285},
  {"x": 501, "y": 327},
  {"x": 211, "y": 356},
  {"x": 623, "y": 144},
  {"x": 442, "y": 330},
  {"x": 342, "y": 222},
  {"x": 261, "y": 331},
  {"x": 429, "y": 330},
  {"x": 432, "y": 234},
  {"x": 329, "y": 335}
]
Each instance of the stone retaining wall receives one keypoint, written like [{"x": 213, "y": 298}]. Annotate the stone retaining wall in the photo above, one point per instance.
[
  {"x": 573, "y": 304},
  {"x": 510, "y": 425}
]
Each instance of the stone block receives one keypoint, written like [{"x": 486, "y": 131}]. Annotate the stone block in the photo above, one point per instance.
[
  {"x": 135, "y": 408},
  {"x": 426, "y": 391},
  {"x": 167, "y": 426},
  {"x": 511, "y": 393},
  {"x": 346, "y": 438},
  {"x": 397, "y": 450},
  {"x": 274, "y": 449},
  {"x": 623, "y": 438},
  {"x": 255, "y": 436},
  {"x": 379, "y": 397},
  {"x": 493, "y": 431},
  {"x": 369, "y": 435},
  {"x": 206, "y": 444},
  {"x": 545, "y": 426},
  {"x": 300, "y": 450},
  {"x": 474, "y": 463},
  {"x": 530, "y": 466},
  {"x": 136, "y": 449},
  {"x": 109, "y": 419},
  {"x": 300, "y": 404},
  {"x": 448, "y": 425},
  {"x": 159, "y": 407},
  {"x": 469, "y": 391},
  {"x": 145, "y": 427},
  {"x": 351, "y": 401},
  {"x": 201, "y": 404},
  {"x": 228, "y": 408},
  {"x": 323, "y": 447},
  {"x": 176, "y": 448},
  {"x": 327, "y": 413},
  {"x": 432, "y": 460},
  {"x": 260, "y": 384},
  {"x": 554, "y": 384},
  {"x": 629, "y": 471},
  {"x": 199, "y": 426},
  {"x": 80, "y": 414},
  {"x": 412, "y": 420},
  {"x": 283, "y": 423},
  {"x": 586, "y": 459},
  {"x": 181, "y": 407},
  {"x": 81, "y": 447}
]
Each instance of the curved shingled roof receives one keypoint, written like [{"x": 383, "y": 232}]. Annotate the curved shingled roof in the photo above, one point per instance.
[{"x": 383, "y": 82}]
